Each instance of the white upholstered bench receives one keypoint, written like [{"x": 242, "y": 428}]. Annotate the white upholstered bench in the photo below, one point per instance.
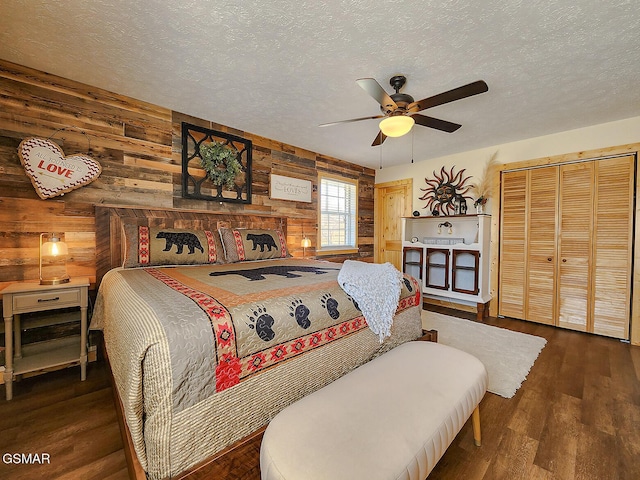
[{"x": 392, "y": 418}]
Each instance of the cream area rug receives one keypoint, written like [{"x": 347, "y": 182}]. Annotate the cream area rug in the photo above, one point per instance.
[{"x": 507, "y": 355}]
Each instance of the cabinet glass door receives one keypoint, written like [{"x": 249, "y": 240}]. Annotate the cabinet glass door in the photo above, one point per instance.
[
  {"x": 437, "y": 268},
  {"x": 464, "y": 273},
  {"x": 412, "y": 261}
]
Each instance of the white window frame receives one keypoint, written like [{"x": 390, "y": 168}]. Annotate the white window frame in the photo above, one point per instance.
[{"x": 349, "y": 212}]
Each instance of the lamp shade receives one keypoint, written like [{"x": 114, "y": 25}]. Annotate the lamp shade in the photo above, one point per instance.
[
  {"x": 306, "y": 243},
  {"x": 53, "y": 253},
  {"x": 397, "y": 125},
  {"x": 54, "y": 247}
]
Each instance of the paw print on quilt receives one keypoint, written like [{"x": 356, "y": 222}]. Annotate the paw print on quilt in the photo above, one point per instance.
[
  {"x": 355, "y": 304},
  {"x": 331, "y": 304},
  {"x": 300, "y": 312},
  {"x": 262, "y": 323}
]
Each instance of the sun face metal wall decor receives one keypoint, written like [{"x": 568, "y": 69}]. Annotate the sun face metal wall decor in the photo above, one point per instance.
[{"x": 441, "y": 191}]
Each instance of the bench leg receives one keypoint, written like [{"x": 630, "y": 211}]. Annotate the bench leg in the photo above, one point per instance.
[
  {"x": 429, "y": 336},
  {"x": 475, "y": 420}
]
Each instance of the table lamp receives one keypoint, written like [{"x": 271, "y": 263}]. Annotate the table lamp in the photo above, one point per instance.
[{"x": 53, "y": 253}]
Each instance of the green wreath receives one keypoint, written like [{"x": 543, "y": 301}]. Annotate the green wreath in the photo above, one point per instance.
[{"x": 220, "y": 163}]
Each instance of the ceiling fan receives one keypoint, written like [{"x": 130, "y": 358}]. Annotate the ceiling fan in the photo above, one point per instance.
[{"x": 400, "y": 111}]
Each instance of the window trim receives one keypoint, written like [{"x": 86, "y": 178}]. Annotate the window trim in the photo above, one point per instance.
[{"x": 341, "y": 249}]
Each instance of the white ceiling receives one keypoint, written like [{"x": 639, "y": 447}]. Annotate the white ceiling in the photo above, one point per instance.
[{"x": 279, "y": 68}]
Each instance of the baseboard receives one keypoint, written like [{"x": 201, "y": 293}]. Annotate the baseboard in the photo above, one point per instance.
[{"x": 450, "y": 304}]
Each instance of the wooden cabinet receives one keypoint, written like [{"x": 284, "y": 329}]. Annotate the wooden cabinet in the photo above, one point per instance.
[
  {"x": 566, "y": 245},
  {"x": 454, "y": 259},
  {"x": 24, "y": 297}
]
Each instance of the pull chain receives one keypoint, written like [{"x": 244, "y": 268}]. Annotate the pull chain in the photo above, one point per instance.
[{"x": 413, "y": 133}]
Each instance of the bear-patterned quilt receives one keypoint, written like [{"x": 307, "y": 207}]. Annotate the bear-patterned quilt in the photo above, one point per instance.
[{"x": 179, "y": 336}]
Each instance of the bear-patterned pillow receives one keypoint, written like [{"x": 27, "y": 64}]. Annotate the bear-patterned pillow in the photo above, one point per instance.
[
  {"x": 150, "y": 246},
  {"x": 242, "y": 245}
]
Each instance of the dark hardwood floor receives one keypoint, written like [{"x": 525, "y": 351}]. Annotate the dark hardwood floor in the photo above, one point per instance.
[{"x": 577, "y": 416}]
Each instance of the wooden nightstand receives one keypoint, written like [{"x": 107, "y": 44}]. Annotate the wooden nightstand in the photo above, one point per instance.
[{"x": 26, "y": 297}]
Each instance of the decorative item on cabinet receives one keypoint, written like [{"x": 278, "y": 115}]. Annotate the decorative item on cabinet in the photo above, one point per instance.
[
  {"x": 479, "y": 204},
  {"x": 441, "y": 191},
  {"x": 460, "y": 205},
  {"x": 446, "y": 225},
  {"x": 482, "y": 188}
]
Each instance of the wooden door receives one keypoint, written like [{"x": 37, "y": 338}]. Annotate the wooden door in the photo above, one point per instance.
[
  {"x": 541, "y": 245},
  {"x": 392, "y": 202},
  {"x": 575, "y": 231},
  {"x": 513, "y": 235},
  {"x": 612, "y": 247}
]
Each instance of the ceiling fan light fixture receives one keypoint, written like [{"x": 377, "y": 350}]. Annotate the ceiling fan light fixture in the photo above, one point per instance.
[{"x": 397, "y": 125}]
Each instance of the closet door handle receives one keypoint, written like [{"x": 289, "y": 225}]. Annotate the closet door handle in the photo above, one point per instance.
[
  {"x": 549, "y": 259},
  {"x": 564, "y": 260}
]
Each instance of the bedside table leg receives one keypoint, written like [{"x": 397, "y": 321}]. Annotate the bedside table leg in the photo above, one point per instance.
[
  {"x": 17, "y": 337},
  {"x": 83, "y": 343},
  {"x": 8, "y": 356}
]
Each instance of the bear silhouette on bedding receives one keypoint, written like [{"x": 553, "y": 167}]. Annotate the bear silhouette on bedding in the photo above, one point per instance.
[
  {"x": 282, "y": 270},
  {"x": 262, "y": 240},
  {"x": 180, "y": 240}
]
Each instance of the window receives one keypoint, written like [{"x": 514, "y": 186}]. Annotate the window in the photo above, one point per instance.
[{"x": 338, "y": 214}]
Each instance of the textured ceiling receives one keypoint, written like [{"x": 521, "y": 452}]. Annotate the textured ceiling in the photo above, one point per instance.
[{"x": 278, "y": 68}]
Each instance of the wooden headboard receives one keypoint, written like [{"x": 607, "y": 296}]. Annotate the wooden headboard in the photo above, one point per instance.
[{"x": 109, "y": 220}]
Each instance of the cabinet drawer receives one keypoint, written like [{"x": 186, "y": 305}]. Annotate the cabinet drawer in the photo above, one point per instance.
[{"x": 46, "y": 300}]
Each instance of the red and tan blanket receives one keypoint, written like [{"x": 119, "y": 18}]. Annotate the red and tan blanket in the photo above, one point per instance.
[
  {"x": 263, "y": 313},
  {"x": 205, "y": 354}
]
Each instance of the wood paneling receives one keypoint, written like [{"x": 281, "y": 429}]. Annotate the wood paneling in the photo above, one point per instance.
[{"x": 139, "y": 147}]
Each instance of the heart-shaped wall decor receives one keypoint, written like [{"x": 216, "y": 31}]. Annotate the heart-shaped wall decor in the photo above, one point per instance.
[{"x": 52, "y": 173}]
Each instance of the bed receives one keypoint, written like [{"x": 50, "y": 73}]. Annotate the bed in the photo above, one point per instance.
[{"x": 206, "y": 353}]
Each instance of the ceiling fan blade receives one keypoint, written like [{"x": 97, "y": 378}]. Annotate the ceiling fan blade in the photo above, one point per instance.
[
  {"x": 349, "y": 121},
  {"x": 373, "y": 88},
  {"x": 379, "y": 139},
  {"x": 465, "y": 91},
  {"x": 436, "y": 123}
]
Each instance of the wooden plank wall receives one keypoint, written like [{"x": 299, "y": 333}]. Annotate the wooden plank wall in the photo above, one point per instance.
[{"x": 139, "y": 147}]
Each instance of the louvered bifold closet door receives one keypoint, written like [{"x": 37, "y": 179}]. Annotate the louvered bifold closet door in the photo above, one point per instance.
[
  {"x": 575, "y": 232},
  {"x": 513, "y": 235},
  {"x": 541, "y": 245},
  {"x": 612, "y": 246}
]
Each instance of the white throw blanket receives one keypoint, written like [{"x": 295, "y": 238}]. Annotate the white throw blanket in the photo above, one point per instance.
[{"x": 376, "y": 288}]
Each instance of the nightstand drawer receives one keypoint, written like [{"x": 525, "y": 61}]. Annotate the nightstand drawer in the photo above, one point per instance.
[{"x": 46, "y": 300}]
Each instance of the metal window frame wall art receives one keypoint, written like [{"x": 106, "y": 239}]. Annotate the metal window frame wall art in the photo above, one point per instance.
[{"x": 197, "y": 183}]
